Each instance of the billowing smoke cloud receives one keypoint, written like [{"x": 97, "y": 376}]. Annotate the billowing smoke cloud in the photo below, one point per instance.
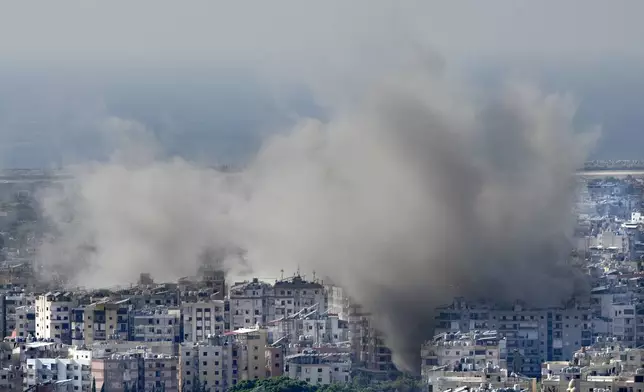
[{"x": 421, "y": 192}]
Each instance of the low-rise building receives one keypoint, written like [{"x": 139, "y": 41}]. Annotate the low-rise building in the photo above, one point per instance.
[
  {"x": 319, "y": 368},
  {"x": 137, "y": 369},
  {"x": 47, "y": 370},
  {"x": 458, "y": 351}
]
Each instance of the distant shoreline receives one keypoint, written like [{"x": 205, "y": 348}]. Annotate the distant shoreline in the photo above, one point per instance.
[{"x": 610, "y": 172}]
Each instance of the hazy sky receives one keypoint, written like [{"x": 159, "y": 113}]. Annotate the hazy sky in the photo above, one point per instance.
[{"x": 209, "y": 76}]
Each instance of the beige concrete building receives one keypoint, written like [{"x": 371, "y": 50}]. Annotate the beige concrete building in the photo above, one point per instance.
[
  {"x": 209, "y": 362},
  {"x": 251, "y": 362},
  {"x": 202, "y": 319}
]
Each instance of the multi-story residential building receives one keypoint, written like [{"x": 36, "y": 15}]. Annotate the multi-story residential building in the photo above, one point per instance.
[
  {"x": 53, "y": 313},
  {"x": 10, "y": 379},
  {"x": 319, "y": 368},
  {"x": 114, "y": 372},
  {"x": 369, "y": 353},
  {"x": 337, "y": 301},
  {"x": 3, "y": 315},
  {"x": 489, "y": 379},
  {"x": 35, "y": 349},
  {"x": 160, "y": 372},
  {"x": 137, "y": 369},
  {"x": 155, "y": 324},
  {"x": 162, "y": 295},
  {"x": 325, "y": 330},
  {"x": 257, "y": 302},
  {"x": 12, "y": 301},
  {"x": 463, "y": 352},
  {"x": 605, "y": 366},
  {"x": 250, "y": 304},
  {"x": 274, "y": 361},
  {"x": 44, "y": 370},
  {"x": 532, "y": 335},
  {"x": 295, "y": 294},
  {"x": 25, "y": 321},
  {"x": 213, "y": 278},
  {"x": 106, "y": 348},
  {"x": 203, "y": 318},
  {"x": 300, "y": 331},
  {"x": 100, "y": 322},
  {"x": 250, "y": 359},
  {"x": 10, "y": 369},
  {"x": 208, "y": 363}
]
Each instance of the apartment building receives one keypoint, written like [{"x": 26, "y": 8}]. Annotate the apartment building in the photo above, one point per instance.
[
  {"x": 160, "y": 372},
  {"x": 44, "y": 370},
  {"x": 471, "y": 351},
  {"x": 155, "y": 324},
  {"x": 100, "y": 322},
  {"x": 137, "y": 369},
  {"x": 532, "y": 335},
  {"x": 13, "y": 301},
  {"x": 163, "y": 295},
  {"x": 25, "y": 324},
  {"x": 369, "y": 353},
  {"x": 308, "y": 331},
  {"x": 203, "y": 318},
  {"x": 10, "y": 369},
  {"x": 256, "y": 302},
  {"x": 337, "y": 301},
  {"x": 114, "y": 372},
  {"x": 488, "y": 379},
  {"x": 208, "y": 363},
  {"x": 249, "y": 359},
  {"x": 325, "y": 330},
  {"x": 274, "y": 361},
  {"x": 251, "y": 304},
  {"x": 23, "y": 351},
  {"x": 604, "y": 366},
  {"x": 295, "y": 294},
  {"x": 319, "y": 368},
  {"x": 53, "y": 313},
  {"x": 10, "y": 379},
  {"x": 214, "y": 278},
  {"x": 107, "y": 348}
]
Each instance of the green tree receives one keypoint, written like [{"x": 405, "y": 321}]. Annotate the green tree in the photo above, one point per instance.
[
  {"x": 285, "y": 384},
  {"x": 93, "y": 385}
]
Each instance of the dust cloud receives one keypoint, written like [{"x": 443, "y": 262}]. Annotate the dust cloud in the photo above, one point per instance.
[{"x": 422, "y": 190}]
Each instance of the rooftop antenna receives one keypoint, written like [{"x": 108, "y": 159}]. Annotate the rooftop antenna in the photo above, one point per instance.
[
  {"x": 314, "y": 275},
  {"x": 282, "y": 275},
  {"x": 298, "y": 270}
]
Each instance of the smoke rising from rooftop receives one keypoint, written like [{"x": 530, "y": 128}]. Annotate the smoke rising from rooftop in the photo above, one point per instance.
[{"x": 422, "y": 191}]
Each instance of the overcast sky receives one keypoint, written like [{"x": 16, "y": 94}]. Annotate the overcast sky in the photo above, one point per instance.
[{"x": 224, "y": 72}]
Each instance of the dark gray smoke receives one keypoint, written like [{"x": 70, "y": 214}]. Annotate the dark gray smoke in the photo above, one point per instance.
[{"x": 421, "y": 192}]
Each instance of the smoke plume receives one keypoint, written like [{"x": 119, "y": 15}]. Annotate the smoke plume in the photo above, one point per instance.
[{"x": 422, "y": 191}]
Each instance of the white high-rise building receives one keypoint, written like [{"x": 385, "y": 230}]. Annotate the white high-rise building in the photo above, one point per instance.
[{"x": 53, "y": 311}]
